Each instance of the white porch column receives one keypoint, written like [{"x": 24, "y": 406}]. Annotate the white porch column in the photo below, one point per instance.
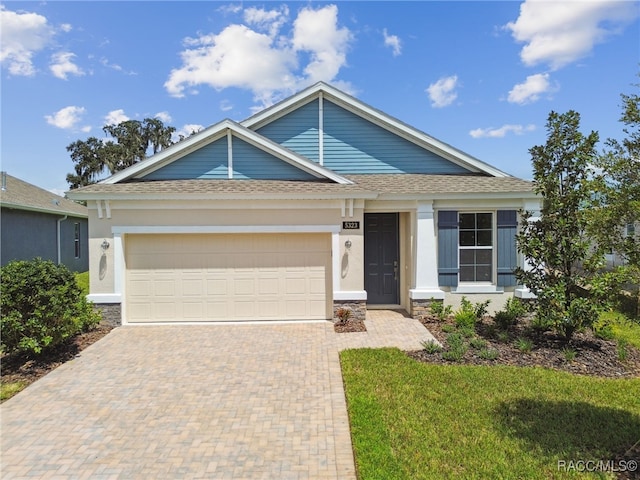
[{"x": 426, "y": 256}]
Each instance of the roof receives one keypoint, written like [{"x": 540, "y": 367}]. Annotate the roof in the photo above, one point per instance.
[
  {"x": 21, "y": 195},
  {"x": 373, "y": 186}
]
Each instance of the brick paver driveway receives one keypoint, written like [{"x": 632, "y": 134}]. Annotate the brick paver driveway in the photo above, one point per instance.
[{"x": 210, "y": 402}]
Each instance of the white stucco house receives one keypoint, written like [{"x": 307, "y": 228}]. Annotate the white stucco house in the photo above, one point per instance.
[{"x": 317, "y": 202}]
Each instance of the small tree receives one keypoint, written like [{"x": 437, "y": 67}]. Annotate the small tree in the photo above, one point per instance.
[
  {"x": 617, "y": 199},
  {"x": 562, "y": 263}
]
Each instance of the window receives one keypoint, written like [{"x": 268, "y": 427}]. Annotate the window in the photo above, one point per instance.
[
  {"x": 76, "y": 239},
  {"x": 631, "y": 230},
  {"x": 475, "y": 244}
]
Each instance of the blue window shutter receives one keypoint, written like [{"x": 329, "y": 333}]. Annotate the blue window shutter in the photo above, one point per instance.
[
  {"x": 506, "y": 247},
  {"x": 448, "y": 248}
]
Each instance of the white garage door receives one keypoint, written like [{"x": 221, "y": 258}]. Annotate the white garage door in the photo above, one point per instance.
[{"x": 204, "y": 277}]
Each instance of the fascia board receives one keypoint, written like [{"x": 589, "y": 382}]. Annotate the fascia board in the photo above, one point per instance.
[
  {"x": 226, "y": 196},
  {"x": 458, "y": 196}
]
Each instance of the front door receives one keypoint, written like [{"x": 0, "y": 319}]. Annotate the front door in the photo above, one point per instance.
[{"x": 381, "y": 258}]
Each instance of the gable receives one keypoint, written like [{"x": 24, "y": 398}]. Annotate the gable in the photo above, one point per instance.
[
  {"x": 211, "y": 162},
  {"x": 352, "y": 144}
]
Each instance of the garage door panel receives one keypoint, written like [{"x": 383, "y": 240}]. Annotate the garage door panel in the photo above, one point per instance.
[{"x": 194, "y": 277}]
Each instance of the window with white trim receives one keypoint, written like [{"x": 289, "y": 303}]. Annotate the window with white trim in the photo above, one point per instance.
[
  {"x": 475, "y": 247},
  {"x": 76, "y": 239}
]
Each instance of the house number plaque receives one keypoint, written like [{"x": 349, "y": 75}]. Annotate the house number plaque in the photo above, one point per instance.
[{"x": 351, "y": 225}]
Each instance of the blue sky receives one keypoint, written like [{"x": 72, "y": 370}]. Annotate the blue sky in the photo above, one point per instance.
[{"x": 481, "y": 76}]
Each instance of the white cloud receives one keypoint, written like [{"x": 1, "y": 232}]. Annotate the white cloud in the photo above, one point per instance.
[
  {"x": 62, "y": 65},
  {"x": 115, "y": 117},
  {"x": 559, "y": 33},
  {"x": 530, "y": 90},
  {"x": 66, "y": 27},
  {"x": 317, "y": 32},
  {"x": 270, "y": 21},
  {"x": 240, "y": 56},
  {"x": 114, "y": 66},
  {"x": 186, "y": 131},
  {"x": 164, "y": 117},
  {"x": 501, "y": 132},
  {"x": 21, "y": 36},
  {"x": 392, "y": 41},
  {"x": 68, "y": 118},
  {"x": 442, "y": 92},
  {"x": 226, "y": 105}
]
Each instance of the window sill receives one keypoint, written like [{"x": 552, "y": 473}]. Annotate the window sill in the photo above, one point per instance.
[{"x": 461, "y": 289}]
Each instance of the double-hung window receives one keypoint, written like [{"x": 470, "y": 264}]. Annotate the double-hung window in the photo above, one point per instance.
[{"x": 475, "y": 246}]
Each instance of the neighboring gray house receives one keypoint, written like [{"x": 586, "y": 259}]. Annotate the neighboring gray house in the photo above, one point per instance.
[{"x": 37, "y": 223}]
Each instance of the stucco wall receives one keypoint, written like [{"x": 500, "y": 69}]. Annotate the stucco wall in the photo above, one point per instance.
[{"x": 222, "y": 213}]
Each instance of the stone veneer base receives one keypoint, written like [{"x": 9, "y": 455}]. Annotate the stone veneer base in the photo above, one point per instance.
[
  {"x": 357, "y": 307},
  {"x": 111, "y": 313},
  {"x": 420, "y": 308}
]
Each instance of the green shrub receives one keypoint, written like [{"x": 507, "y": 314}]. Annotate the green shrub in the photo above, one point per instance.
[
  {"x": 456, "y": 348},
  {"x": 478, "y": 343},
  {"x": 488, "y": 354},
  {"x": 465, "y": 319},
  {"x": 431, "y": 346},
  {"x": 41, "y": 305},
  {"x": 509, "y": 315},
  {"x": 569, "y": 354},
  {"x": 524, "y": 344},
  {"x": 439, "y": 310}
]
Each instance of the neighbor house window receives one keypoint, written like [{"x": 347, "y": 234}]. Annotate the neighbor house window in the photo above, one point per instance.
[
  {"x": 631, "y": 230},
  {"x": 475, "y": 244},
  {"x": 76, "y": 239}
]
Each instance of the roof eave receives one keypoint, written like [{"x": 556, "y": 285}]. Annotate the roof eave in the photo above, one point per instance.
[{"x": 28, "y": 208}]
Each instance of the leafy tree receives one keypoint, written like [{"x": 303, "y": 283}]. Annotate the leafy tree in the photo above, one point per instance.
[
  {"x": 559, "y": 253},
  {"x": 130, "y": 143},
  {"x": 616, "y": 202}
]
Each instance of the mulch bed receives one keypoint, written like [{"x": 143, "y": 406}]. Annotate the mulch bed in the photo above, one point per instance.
[
  {"x": 349, "y": 326},
  {"x": 19, "y": 367},
  {"x": 594, "y": 356}
]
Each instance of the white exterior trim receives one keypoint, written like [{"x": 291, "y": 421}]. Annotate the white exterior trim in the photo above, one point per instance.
[
  {"x": 334, "y": 229},
  {"x": 426, "y": 294},
  {"x": 321, "y": 129},
  {"x": 335, "y": 260},
  {"x": 104, "y": 298},
  {"x": 347, "y": 295},
  {"x": 463, "y": 289}
]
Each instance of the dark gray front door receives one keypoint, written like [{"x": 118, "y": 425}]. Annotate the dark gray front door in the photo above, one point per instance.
[{"x": 381, "y": 258}]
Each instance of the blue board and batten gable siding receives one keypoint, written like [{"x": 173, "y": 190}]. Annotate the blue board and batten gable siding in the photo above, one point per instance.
[
  {"x": 298, "y": 131},
  {"x": 250, "y": 162},
  {"x": 352, "y": 144},
  {"x": 210, "y": 163}
]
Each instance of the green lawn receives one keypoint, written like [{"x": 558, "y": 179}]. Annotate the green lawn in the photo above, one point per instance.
[
  {"x": 418, "y": 421},
  {"x": 83, "y": 282}
]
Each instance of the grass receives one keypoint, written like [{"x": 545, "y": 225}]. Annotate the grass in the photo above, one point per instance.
[
  {"x": 8, "y": 390},
  {"x": 412, "y": 420},
  {"x": 83, "y": 282},
  {"x": 622, "y": 328}
]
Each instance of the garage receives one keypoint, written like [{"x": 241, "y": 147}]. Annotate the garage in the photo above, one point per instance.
[{"x": 227, "y": 277}]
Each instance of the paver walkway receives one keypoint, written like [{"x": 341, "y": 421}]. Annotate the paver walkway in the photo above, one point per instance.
[{"x": 210, "y": 402}]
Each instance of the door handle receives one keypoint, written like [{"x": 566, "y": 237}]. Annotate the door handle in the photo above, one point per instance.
[{"x": 395, "y": 271}]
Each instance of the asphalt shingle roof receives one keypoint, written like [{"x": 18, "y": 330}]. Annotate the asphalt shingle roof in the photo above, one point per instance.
[
  {"x": 25, "y": 196},
  {"x": 364, "y": 186}
]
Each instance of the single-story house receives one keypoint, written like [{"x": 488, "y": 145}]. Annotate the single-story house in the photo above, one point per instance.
[
  {"x": 37, "y": 223},
  {"x": 316, "y": 203}
]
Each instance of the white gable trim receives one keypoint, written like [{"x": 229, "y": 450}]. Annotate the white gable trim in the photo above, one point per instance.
[
  {"x": 375, "y": 116},
  {"x": 213, "y": 133}
]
